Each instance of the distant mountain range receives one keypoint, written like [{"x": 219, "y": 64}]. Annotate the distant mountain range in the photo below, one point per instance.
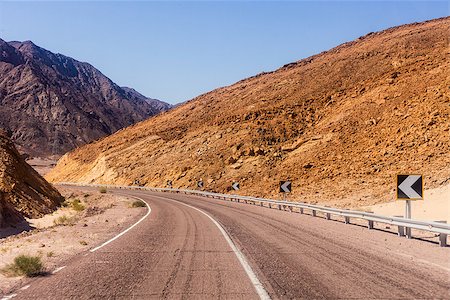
[{"x": 51, "y": 103}]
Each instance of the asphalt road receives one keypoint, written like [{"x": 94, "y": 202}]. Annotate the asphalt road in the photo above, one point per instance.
[{"x": 178, "y": 252}]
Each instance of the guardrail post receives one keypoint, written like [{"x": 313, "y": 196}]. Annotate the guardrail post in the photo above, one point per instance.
[
  {"x": 328, "y": 216},
  {"x": 313, "y": 213},
  {"x": 261, "y": 203},
  {"x": 400, "y": 229},
  {"x": 347, "y": 220},
  {"x": 279, "y": 206},
  {"x": 370, "y": 224},
  {"x": 301, "y": 210},
  {"x": 408, "y": 232},
  {"x": 442, "y": 240},
  {"x": 442, "y": 236}
]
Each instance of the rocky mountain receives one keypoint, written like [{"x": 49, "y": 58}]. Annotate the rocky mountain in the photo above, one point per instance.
[
  {"x": 51, "y": 103},
  {"x": 156, "y": 105},
  {"x": 340, "y": 125},
  {"x": 23, "y": 192}
]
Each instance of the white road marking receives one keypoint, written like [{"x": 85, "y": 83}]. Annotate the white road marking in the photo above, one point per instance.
[
  {"x": 126, "y": 230},
  {"x": 9, "y": 297},
  {"x": 262, "y": 293},
  {"x": 58, "y": 269},
  {"x": 25, "y": 287}
]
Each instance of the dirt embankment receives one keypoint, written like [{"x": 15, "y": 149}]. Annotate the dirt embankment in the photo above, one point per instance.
[
  {"x": 87, "y": 219},
  {"x": 340, "y": 125}
]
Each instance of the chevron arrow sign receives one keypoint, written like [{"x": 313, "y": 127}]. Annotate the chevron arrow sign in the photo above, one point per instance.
[
  {"x": 235, "y": 186},
  {"x": 285, "y": 187},
  {"x": 200, "y": 184},
  {"x": 409, "y": 187}
]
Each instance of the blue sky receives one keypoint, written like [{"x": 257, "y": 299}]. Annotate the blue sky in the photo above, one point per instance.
[{"x": 175, "y": 51}]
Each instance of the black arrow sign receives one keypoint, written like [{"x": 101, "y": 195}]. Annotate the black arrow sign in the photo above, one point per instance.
[
  {"x": 285, "y": 187},
  {"x": 409, "y": 187}
]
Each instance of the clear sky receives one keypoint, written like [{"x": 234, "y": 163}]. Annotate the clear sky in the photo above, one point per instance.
[{"x": 175, "y": 51}]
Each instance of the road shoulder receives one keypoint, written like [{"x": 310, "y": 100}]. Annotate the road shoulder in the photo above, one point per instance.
[{"x": 103, "y": 215}]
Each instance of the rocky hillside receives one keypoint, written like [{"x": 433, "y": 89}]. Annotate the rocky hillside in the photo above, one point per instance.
[
  {"x": 23, "y": 192},
  {"x": 156, "y": 105},
  {"x": 340, "y": 125},
  {"x": 51, "y": 103}
]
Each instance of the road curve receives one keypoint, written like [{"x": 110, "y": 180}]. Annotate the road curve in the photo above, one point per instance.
[{"x": 178, "y": 253}]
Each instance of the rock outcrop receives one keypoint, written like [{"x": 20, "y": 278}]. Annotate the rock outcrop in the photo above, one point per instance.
[{"x": 23, "y": 192}]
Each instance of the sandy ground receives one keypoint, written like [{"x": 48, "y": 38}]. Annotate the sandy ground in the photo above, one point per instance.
[
  {"x": 104, "y": 216},
  {"x": 434, "y": 207},
  {"x": 41, "y": 165}
]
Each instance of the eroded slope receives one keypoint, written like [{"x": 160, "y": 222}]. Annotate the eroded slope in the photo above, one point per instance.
[{"x": 340, "y": 125}]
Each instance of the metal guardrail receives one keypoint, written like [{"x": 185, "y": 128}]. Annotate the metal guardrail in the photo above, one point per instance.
[{"x": 442, "y": 229}]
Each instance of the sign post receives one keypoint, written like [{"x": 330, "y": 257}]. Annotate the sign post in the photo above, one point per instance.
[
  {"x": 235, "y": 186},
  {"x": 200, "y": 184},
  {"x": 408, "y": 216},
  {"x": 285, "y": 187},
  {"x": 409, "y": 187}
]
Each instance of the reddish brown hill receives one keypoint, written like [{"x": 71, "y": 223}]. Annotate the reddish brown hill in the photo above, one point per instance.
[
  {"x": 51, "y": 103},
  {"x": 340, "y": 125},
  {"x": 23, "y": 192}
]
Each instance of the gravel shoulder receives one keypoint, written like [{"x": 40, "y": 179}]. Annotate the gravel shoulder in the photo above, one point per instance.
[{"x": 102, "y": 216}]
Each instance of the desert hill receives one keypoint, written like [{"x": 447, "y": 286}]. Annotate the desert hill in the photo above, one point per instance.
[
  {"x": 51, "y": 103},
  {"x": 23, "y": 192},
  {"x": 340, "y": 125}
]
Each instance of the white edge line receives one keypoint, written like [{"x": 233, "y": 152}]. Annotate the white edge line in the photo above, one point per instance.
[
  {"x": 262, "y": 293},
  {"x": 126, "y": 230},
  {"x": 58, "y": 269},
  {"x": 25, "y": 287},
  {"x": 9, "y": 297}
]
